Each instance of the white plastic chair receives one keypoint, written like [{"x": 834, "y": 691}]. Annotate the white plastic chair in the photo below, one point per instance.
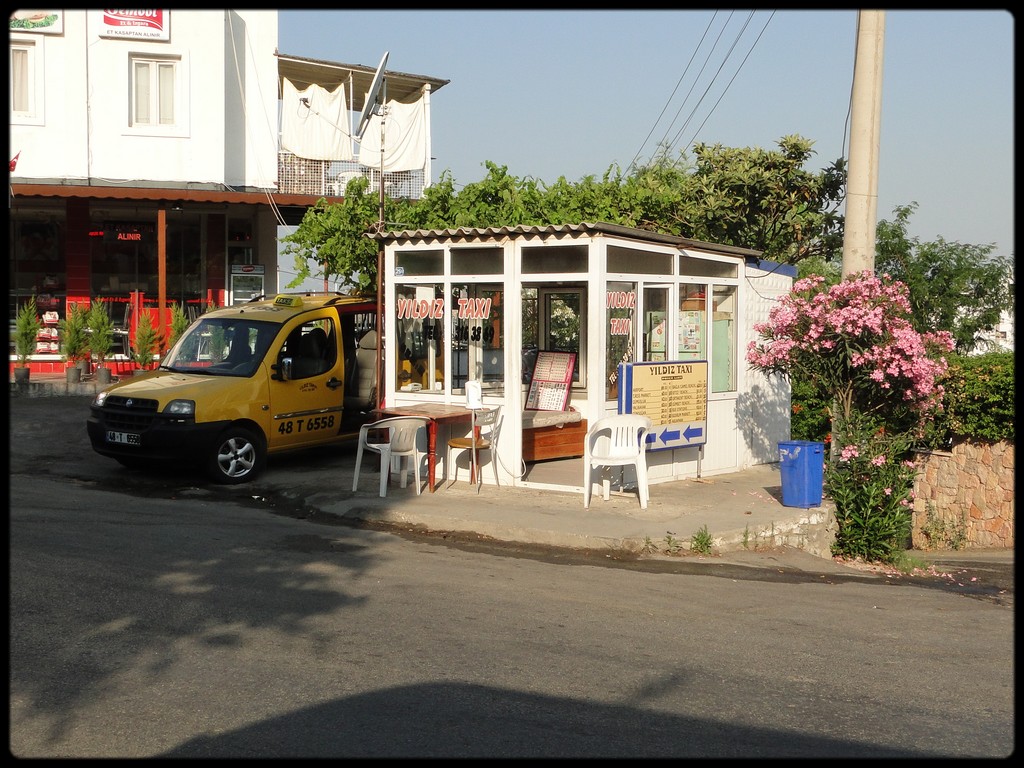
[
  {"x": 400, "y": 444},
  {"x": 476, "y": 441},
  {"x": 616, "y": 441}
]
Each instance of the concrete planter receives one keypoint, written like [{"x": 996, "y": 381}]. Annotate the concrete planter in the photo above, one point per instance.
[
  {"x": 73, "y": 374},
  {"x": 103, "y": 376}
]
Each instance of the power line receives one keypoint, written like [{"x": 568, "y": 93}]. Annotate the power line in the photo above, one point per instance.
[
  {"x": 667, "y": 145},
  {"x": 664, "y": 139},
  {"x": 731, "y": 80},
  {"x": 673, "y": 94}
]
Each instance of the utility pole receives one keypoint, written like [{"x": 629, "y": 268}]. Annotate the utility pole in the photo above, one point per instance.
[{"x": 865, "y": 133}]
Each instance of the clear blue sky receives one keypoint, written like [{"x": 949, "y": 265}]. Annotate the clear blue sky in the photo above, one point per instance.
[{"x": 570, "y": 93}]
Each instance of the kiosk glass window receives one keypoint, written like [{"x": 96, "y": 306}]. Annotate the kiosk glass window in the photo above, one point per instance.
[
  {"x": 723, "y": 338},
  {"x": 631, "y": 260},
  {"x": 419, "y": 335},
  {"x": 620, "y": 325},
  {"x": 656, "y": 324},
  {"x": 478, "y": 336},
  {"x": 478, "y": 261},
  {"x": 695, "y": 267},
  {"x": 562, "y": 321},
  {"x": 551, "y": 260},
  {"x": 412, "y": 263},
  {"x": 692, "y": 322}
]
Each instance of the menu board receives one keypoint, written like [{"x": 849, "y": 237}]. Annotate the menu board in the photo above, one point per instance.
[
  {"x": 552, "y": 381},
  {"x": 674, "y": 395}
]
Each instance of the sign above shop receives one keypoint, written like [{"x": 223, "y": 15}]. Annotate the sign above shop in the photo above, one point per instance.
[
  {"x": 139, "y": 232},
  {"x": 136, "y": 25}
]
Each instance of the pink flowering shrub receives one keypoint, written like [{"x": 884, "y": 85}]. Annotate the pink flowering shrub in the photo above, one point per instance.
[
  {"x": 873, "y": 493},
  {"x": 855, "y": 341}
]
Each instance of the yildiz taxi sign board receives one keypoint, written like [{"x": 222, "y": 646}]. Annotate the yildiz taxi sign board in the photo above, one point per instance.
[{"x": 673, "y": 395}]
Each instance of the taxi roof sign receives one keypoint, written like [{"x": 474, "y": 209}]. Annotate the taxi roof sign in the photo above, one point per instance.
[{"x": 286, "y": 300}]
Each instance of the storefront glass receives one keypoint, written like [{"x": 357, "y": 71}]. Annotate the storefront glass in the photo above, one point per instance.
[
  {"x": 620, "y": 312},
  {"x": 419, "y": 335},
  {"x": 478, "y": 336},
  {"x": 693, "y": 323},
  {"x": 36, "y": 266},
  {"x": 723, "y": 339},
  {"x": 656, "y": 324}
]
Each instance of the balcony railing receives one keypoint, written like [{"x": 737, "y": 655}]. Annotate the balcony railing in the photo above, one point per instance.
[{"x": 328, "y": 178}]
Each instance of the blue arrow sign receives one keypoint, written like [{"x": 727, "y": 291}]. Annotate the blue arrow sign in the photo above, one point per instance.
[
  {"x": 675, "y": 436},
  {"x": 669, "y": 435},
  {"x": 692, "y": 432}
]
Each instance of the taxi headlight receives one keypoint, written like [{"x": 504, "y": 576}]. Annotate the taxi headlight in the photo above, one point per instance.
[
  {"x": 100, "y": 399},
  {"x": 181, "y": 408}
]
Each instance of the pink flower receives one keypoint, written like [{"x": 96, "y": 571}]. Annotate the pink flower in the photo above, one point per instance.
[{"x": 878, "y": 461}]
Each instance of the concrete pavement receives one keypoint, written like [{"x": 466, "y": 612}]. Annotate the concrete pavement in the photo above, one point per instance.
[{"x": 740, "y": 511}]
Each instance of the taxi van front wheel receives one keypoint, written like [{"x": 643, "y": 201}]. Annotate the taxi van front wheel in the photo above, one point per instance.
[{"x": 237, "y": 456}]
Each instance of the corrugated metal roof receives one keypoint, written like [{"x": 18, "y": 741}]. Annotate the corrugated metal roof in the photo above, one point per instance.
[{"x": 556, "y": 230}]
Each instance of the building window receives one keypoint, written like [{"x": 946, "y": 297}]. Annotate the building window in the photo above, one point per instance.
[
  {"x": 692, "y": 328},
  {"x": 478, "y": 335},
  {"x": 621, "y": 330},
  {"x": 562, "y": 322},
  {"x": 419, "y": 337},
  {"x": 478, "y": 261},
  {"x": 723, "y": 338},
  {"x": 25, "y": 82},
  {"x": 154, "y": 91}
]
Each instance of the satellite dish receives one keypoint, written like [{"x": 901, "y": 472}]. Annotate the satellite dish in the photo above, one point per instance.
[{"x": 373, "y": 98}]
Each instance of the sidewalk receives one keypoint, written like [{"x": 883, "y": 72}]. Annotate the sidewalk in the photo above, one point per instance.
[{"x": 740, "y": 511}]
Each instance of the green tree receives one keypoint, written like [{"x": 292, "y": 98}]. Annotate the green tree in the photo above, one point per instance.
[
  {"x": 26, "y": 329},
  {"x": 765, "y": 200},
  {"x": 332, "y": 237},
  {"x": 74, "y": 334},
  {"x": 147, "y": 341},
  {"x": 751, "y": 198},
  {"x": 101, "y": 332},
  {"x": 179, "y": 322},
  {"x": 953, "y": 286}
]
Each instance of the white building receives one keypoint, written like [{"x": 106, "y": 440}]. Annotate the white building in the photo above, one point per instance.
[{"x": 147, "y": 164}]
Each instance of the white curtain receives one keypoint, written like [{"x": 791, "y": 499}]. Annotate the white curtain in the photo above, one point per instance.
[
  {"x": 405, "y": 138},
  {"x": 318, "y": 131}
]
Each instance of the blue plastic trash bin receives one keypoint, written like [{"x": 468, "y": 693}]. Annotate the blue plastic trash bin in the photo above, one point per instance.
[{"x": 802, "y": 467}]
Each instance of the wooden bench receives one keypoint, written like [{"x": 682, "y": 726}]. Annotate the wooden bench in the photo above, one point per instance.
[{"x": 553, "y": 435}]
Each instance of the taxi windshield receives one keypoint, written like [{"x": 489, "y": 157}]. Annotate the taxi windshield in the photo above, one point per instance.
[{"x": 222, "y": 347}]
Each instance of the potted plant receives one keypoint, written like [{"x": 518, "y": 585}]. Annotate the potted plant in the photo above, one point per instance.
[
  {"x": 146, "y": 341},
  {"x": 26, "y": 329},
  {"x": 101, "y": 339},
  {"x": 74, "y": 341}
]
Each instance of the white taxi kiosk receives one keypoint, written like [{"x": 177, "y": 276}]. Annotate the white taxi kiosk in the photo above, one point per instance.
[{"x": 485, "y": 304}]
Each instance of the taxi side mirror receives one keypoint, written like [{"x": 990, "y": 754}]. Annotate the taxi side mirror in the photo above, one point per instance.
[{"x": 283, "y": 368}]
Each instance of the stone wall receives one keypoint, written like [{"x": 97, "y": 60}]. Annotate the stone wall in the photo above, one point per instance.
[{"x": 965, "y": 497}]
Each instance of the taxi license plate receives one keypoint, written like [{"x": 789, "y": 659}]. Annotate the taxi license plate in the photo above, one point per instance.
[{"x": 124, "y": 438}]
